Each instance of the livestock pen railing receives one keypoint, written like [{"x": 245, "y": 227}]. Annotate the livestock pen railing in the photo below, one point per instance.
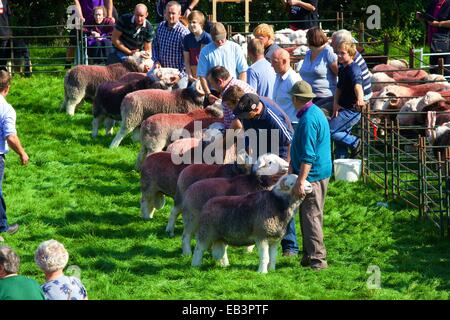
[{"x": 400, "y": 160}]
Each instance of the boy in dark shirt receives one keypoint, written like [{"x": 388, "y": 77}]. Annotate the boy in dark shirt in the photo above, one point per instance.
[{"x": 348, "y": 101}]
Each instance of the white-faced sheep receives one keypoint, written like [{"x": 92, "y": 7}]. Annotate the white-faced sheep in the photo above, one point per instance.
[
  {"x": 259, "y": 218},
  {"x": 81, "y": 82},
  {"x": 109, "y": 97},
  {"x": 138, "y": 106},
  {"x": 201, "y": 191},
  {"x": 157, "y": 131}
]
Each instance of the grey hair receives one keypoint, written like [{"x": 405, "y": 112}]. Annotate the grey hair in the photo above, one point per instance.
[
  {"x": 341, "y": 36},
  {"x": 171, "y": 4},
  {"x": 51, "y": 256},
  {"x": 9, "y": 260}
]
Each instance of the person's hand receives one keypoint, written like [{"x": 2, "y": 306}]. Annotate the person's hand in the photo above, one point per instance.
[
  {"x": 336, "y": 109},
  {"x": 191, "y": 78},
  {"x": 174, "y": 80},
  {"x": 133, "y": 51},
  {"x": 187, "y": 12},
  {"x": 95, "y": 34},
  {"x": 360, "y": 104},
  {"x": 112, "y": 19},
  {"x": 212, "y": 98},
  {"x": 434, "y": 23},
  {"x": 299, "y": 189},
  {"x": 24, "y": 158}
]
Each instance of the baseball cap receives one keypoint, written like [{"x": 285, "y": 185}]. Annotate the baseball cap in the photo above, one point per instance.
[
  {"x": 248, "y": 102},
  {"x": 218, "y": 32},
  {"x": 302, "y": 89}
]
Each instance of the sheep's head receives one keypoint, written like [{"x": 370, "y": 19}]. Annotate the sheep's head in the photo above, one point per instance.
[
  {"x": 270, "y": 164},
  {"x": 430, "y": 98},
  {"x": 166, "y": 75},
  {"x": 285, "y": 185},
  {"x": 142, "y": 59},
  {"x": 194, "y": 92}
]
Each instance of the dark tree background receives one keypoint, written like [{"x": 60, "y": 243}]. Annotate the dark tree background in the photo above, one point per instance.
[{"x": 397, "y": 15}]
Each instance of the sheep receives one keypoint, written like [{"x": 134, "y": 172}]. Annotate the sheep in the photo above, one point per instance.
[
  {"x": 201, "y": 191},
  {"x": 138, "y": 106},
  {"x": 260, "y": 217},
  {"x": 380, "y": 80},
  {"x": 159, "y": 175},
  {"x": 199, "y": 171},
  {"x": 109, "y": 96},
  {"x": 157, "y": 130},
  {"x": 408, "y": 113},
  {"x": 81, "y": 82}
]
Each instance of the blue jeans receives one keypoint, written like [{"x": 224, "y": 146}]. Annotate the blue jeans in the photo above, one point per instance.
[
  {"x": 3, "y": 219},
  {"x": 289, "y": 242},
  {"x": 341, "y": 128}
]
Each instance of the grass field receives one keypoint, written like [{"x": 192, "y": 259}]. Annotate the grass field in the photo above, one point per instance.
[{"x": 79, "y": 192}]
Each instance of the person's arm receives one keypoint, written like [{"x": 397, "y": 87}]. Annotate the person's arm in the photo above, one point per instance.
[
  {"x": 14, "y": 142},
  {"x": 187, "y": 64},
  {"x": 299, "y": 188},
  {"x": 440, "y": 24},
  {"x": 191, "y": 7},
  {"x": 236, "y": 124},
  {"x": 302, "y": 4},
  {"x": 148, "y": 47},
  {"x": 155, "y": 50},
  {"x": 80, "y": 13},
  {"x": 359, "y": 96},
  {"x": 336, "y": 105},
  {"x": 115, "y": 39},
  {"x": 109, "y": 9},
  {"x": 243, "y": 76}
]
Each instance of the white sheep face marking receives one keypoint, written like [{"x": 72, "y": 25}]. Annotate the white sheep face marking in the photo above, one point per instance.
[{"x": 270, "y": 164}]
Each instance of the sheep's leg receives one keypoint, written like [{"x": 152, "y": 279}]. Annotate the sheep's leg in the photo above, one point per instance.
[
  {"x": 159, "y": 200},
  {"x": 174, "y": 213},
  {"x": 147, "y": 207},
  {"x": 141, "y": 156},
  {"x": 263, "y": 248},
  {"x": 95, "y": 125},
  {"x": 109, "y": 125},
  {"x": 198, "y": 254},
  {"x": 136, "y": 135},
  {"x": 272, "y": 255},
  {"x": 188, "y": 232},
  {"x": 119, "y": 136},
  {"x": 219, "y": 252}
]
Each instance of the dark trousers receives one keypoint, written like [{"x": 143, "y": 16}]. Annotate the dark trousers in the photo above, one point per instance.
[
  {"x": 440, "y": 43},
  {"x": 5, "y": 53},
  {"x": 100, "y": 51},
  {"x": 3, "y": 219}
]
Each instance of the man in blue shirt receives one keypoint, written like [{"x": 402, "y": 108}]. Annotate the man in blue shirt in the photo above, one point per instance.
[
  {"x": 260, "y": 75},
  {"x": 311, "y": 161},
  {"x": 9, "y": 138},
  {"x": 167, "y": 50}
]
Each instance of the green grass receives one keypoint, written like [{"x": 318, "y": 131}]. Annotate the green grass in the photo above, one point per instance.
[{"x": 79, "y": 192}]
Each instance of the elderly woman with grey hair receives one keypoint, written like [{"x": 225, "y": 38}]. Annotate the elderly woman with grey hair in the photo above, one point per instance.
[
  {"x": 52, "y": 257},
  {"x": 12, "y": 285}
]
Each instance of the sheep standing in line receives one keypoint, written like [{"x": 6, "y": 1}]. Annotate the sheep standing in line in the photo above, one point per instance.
[
  {"x": 197, "y": 172},
  {"x": 260, "y": 217},
  {"x": 157, "y": 131},
  {"x": 81, "y": 82},
  {"x": 138, "y": 106},
  {"x": 201, "y": 191},
  {"x": 109, "y": 97}
]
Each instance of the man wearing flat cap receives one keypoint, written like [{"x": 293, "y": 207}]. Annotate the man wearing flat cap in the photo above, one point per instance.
[
  {"x": 221, "y": 52},
  {"x": 311, "y": 160},
  {"x": 271, "y": 124}
]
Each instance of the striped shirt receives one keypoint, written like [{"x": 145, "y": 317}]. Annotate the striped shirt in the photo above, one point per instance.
[
  {"x": 167, "y": 49},
  {"x": 367, "y": 85},
  {"x": 228, "y": 115},
  {"x": 134, "y": 37}
]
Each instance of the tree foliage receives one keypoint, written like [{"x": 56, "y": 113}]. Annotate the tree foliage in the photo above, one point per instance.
[{"x": 397, "y": 16}]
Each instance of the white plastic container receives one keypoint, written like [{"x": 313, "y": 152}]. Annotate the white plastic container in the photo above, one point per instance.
[{"x": 347, "y": 169}]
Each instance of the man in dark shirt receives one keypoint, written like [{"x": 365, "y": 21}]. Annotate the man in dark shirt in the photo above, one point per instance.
[
  {"x": 133, "y": 32},
  {"x": 302, "y": 10},
  {"x": 186, "y": 8}
]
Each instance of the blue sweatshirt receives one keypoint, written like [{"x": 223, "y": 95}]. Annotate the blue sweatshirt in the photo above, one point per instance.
[{"x": 311, "y": 145}]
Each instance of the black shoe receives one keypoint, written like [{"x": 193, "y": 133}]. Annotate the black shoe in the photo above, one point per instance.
[
  {"x": 305, "y": 262},
  {"x": 289, "y": 253},
  {"x": 12, "y": 228},
  {"x": 356, "y": 151}
]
